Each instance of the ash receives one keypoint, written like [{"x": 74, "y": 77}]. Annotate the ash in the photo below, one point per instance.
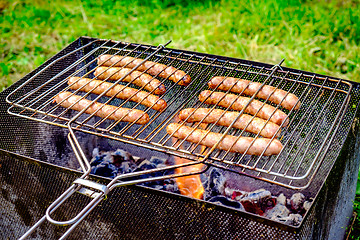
[{"x": 288, "y": 210}]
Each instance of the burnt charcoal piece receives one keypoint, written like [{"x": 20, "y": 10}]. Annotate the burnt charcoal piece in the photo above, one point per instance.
[
  {"x": 123, "y": 160},
  {"x": 125, "y": 167},
  {"x": 296, "y": 202},
  {"x": 170, "y": 185},
  {"x": 145, "y": 165},
  {"x": 157, "y": 161},
  {"x": 221, "y": 200},
  {"x": 281, "y": 199},
  {"x": 170, "y": 161},
  {"x": 307, "y": 205},
  {"x": 234, "y": 194},
  {"x": 215, "y": 185},
  {"x": 280, "y": 211},
  {"x": 254, "y": 201},
  {"x": 97, "y": 160},
  {"x": 294, "y": 219},
  {"x": 167, "y": 185},
  {"x": 268, "y": 203},
  {"x": 121, "y": 156},
  {"x": 111, "y": 164},
  {"x": 105, "y": 169}
]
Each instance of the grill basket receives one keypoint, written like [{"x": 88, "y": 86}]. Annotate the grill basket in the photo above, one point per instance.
[{"x": 332, "y": 103}]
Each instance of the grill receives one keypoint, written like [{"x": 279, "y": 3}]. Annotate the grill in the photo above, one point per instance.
[{"x": 311, "y": 141}]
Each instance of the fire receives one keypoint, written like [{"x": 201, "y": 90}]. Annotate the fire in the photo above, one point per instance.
[{"x": 190, "y": 186}]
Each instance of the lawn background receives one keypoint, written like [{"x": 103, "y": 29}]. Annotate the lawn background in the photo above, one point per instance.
[{"x": 316, "y": 36}]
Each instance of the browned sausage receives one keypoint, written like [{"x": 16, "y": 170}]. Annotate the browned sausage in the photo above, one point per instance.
[
  {"x": 138, "y": 78},
  {"x": 164, "y": 71},
  {"x": 239, "y": 85},
  {"x": 123, "y": 114},
  {"x": 257, "y": 145},
  {"x": 240, "y": 102},
  {"x": 119, "y": 91},
  {"x": 213, "y": 115}
]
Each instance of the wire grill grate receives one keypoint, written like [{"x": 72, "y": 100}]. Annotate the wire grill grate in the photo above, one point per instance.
[{"x": 309, "y": 134}]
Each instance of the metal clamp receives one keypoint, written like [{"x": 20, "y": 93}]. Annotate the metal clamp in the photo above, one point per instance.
[{"x": 92, "y": 185}]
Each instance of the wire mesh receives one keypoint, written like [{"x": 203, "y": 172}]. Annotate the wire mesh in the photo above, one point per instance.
[{"x": 305, "y": 139}]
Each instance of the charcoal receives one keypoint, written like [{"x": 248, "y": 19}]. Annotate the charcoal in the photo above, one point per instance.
[
  {"x": 95, "y": 152},
  {"x": 170, "y": 161},
  {"x": 154, "y": 186},
  {"x": 105, "y": 169},
  {"x": 125, "y": 167},
  {"x": 171, "y": 187},
  {"x": 120, "y": 156},
  {"x": 110, "y": 164},
  {"x": 294, "y": 219},
  {"x": 261, "y": 202},
  {"x": 234, "y": 194},
  {"x": 268, "y": 203},
  {"x": 145, "y": 165},
  {"x": 97, "y": 160},
  {"x": 280, "y": 211},
  {"x": 296, "y": 202},
  {"x": 256, "y": 196},
  {"x": 281, "y": 199},
  {"x": 257, "y": 202},
  {"x": 168, "y": 172},
  {"x": 222, "y": 200},
  {"x": 215, "y": 184},
  {"x": 157, "y": 160},
  {"x": 307, "y": 205}
]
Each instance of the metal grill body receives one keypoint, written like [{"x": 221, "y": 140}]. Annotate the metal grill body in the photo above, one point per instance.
[{"x": 335, "y": 102}]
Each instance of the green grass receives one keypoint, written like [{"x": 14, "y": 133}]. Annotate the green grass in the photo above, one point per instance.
[
  {"x": 355, "y": 231},
  {"x": 316, "y": 36}
]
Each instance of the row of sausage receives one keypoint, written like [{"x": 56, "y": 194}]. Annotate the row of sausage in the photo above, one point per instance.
[{"x": 260, "y": 118}]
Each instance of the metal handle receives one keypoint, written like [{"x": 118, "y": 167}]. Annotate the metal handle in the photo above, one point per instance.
[
  {"x": 103, "y": 191},
  {"x": 98, "y": 195}
]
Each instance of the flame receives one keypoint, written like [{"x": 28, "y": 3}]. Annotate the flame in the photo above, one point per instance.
[{"x": 190, "y": 186}]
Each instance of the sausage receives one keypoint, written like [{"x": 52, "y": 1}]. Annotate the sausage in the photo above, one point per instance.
[
  {"x": 265, "y": 112},
  {"x": 119, "y": 91},
  {"x": 138, "y": 78},
  {"x": 212, "y": 115},
  {"x": 239, "y": 145},
  {"x": 239, "y": 85},
  {"x": 123, "y": 114},
  {"x": 176, "y": 75}
]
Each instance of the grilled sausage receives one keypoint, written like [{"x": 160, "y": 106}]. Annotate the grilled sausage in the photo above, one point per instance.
[
  {"x": 256, "y": 145},
  {"x": 119, "y": 91},
  {"x": 238, "y": 85},
  {"x": 240, "y": 102},
  {"x": 212, "y": 115},
  {"x": 138, "y": 78},
  {"x": 124, "y": 114},
  {"x": 152, "y": 68}
]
